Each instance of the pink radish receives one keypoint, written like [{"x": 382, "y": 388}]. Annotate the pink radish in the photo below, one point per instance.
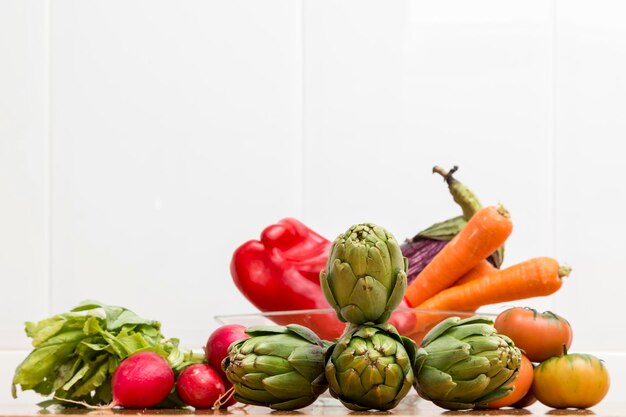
[
  {"x": 199, "y": 386},
  {"x": 216, "y": 349},
  {"x": 142, "y": 380}
]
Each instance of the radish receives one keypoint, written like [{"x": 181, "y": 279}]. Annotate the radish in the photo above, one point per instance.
[
  {"x": 142, "y": 380},
  {"x": 216, "y": 349},
  {"x": 200, "y": 386}
]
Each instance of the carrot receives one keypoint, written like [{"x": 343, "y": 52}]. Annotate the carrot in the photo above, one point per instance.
[
  {"x": 532, "y": 278},
  {"x": 483, "y": 268},
  {"x": 482, "y": 235}
]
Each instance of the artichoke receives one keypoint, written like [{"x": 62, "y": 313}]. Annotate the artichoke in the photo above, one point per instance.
[
  {"x": 463, "y": 364},
  {"x": 371, "y": 367},
  {"x": 281, "y": 367},
  {"x": 365, "y": 276}
]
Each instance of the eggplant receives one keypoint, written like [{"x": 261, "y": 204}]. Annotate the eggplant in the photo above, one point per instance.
[{"x": 424, "y": 246}]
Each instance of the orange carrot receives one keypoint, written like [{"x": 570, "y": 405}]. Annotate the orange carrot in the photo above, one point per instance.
[
  {"x": 433, "y": 317},
  {"x": 483, "y": 268},
  {"x": 532, "y": 278},
  {"x": 485, "y": 232}
]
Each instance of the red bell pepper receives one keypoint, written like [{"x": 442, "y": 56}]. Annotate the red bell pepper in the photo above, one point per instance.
[{"x": 280, "y": 272}]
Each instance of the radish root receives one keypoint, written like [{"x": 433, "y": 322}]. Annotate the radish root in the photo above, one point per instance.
[
  {"x": 89, "y": 406},
  {"x": 224, "y": 398}
]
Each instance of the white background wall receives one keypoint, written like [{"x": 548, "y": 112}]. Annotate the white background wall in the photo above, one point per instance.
[{"x": 142, "y": 141}]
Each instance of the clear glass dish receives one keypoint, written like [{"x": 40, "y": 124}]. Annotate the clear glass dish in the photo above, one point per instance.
[{"x": 410, "y": 322}]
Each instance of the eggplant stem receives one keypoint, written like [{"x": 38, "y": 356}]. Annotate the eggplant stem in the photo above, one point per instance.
[{"x": 447, "y": 175}]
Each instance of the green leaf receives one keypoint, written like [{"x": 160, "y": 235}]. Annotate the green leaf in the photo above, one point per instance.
[
  {"x": 45, "y": 329},
  {"x": 65, "y": 371},
  {"x": 77, "y": 376},
  {"x": 88, "y": 305},
  {"x": 118, "y": 316},
  {"x": 103, "y": 394},
  {"x": 176, "y": 358},
  {"x": 445, "y": 230},
  {"x": 94, "y": 379},
  {"x": 133, "y": 343},
  {"x": 92, "y": 326},
  {"x": 39, "y": 363},
  {"x": 72, "y": 337}
]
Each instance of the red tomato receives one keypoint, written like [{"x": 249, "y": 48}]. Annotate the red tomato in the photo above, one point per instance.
[
  {"x": 540, "y": 335},
  {"x": 528, "y": 400},
  {"x": 520, "y": 386},
  {"x": 574, "y": 380}
]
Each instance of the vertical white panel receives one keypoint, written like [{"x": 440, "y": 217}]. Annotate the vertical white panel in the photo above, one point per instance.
[
  {"x": 590, "y": 132},
  {"x": 394, "y": 88},
  {"x": 23, "y": 168},
  {"x": 9, "y": 359},
  {"x": 176, "y": 129}
]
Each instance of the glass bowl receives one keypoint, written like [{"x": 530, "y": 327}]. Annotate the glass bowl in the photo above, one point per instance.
[{"x": 410, "y": 322}]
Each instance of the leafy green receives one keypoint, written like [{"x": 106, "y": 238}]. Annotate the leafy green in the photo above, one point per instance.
[{"x": 76, "y": 353}]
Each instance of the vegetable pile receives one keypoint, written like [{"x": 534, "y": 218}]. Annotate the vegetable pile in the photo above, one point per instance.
[
  {"x": 99, "y": 355},
  {"x": 559, "y": 379},
  {"x": 379, "y": 319},
  {"x": 75, "y": 355}
]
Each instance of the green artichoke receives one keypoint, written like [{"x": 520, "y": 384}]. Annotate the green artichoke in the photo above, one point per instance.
[
  {"x": 371, "y": 367},
  {"x": 365, "y": 276},
  {"x": 463, "y": 364},
  {"x": 278, "y": 367}
]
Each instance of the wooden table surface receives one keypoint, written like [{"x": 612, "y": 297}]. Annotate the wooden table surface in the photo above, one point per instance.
[{"x": 323, "y": 407}]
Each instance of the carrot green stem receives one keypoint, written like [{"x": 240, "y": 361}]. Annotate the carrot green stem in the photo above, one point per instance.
[{"x": 564, "y": 271}]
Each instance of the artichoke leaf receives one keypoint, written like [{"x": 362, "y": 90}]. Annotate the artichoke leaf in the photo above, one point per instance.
[
  {"x": 371, "y": 377},
  {"x": 469, "y": 368},
  {"x": 351, "y": 384},
  {"x": 384, "y": 344},
  {"x": 468, "y": 391},
  {"x": 348, "y": 360},
  {"x": 254, "y": 380},
  {"x": 281, "y": 347},
  {"x": 306, "y": 360},
  {"x": 287, "y": 385},
  {"x": 342, "y": 281},
  {"x": 266, "y": 330},
  {"x": 305, "y": 333},
  {"x": 271, "y": 365},
  {"x": 397, "y": 294},
  {"x": 254, "y": 396},
  {"x": 394, "y": 375},
  {"x": 294, "y": 404},
  {"x": 381, "y": 397}
]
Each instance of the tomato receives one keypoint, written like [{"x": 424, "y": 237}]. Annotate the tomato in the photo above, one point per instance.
[
  {"x": 540, "y": 335},
  {"x": 528, "y": 400},
  {"x": 520, "y": 386},
  {"x": 571, "y": 381}
]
